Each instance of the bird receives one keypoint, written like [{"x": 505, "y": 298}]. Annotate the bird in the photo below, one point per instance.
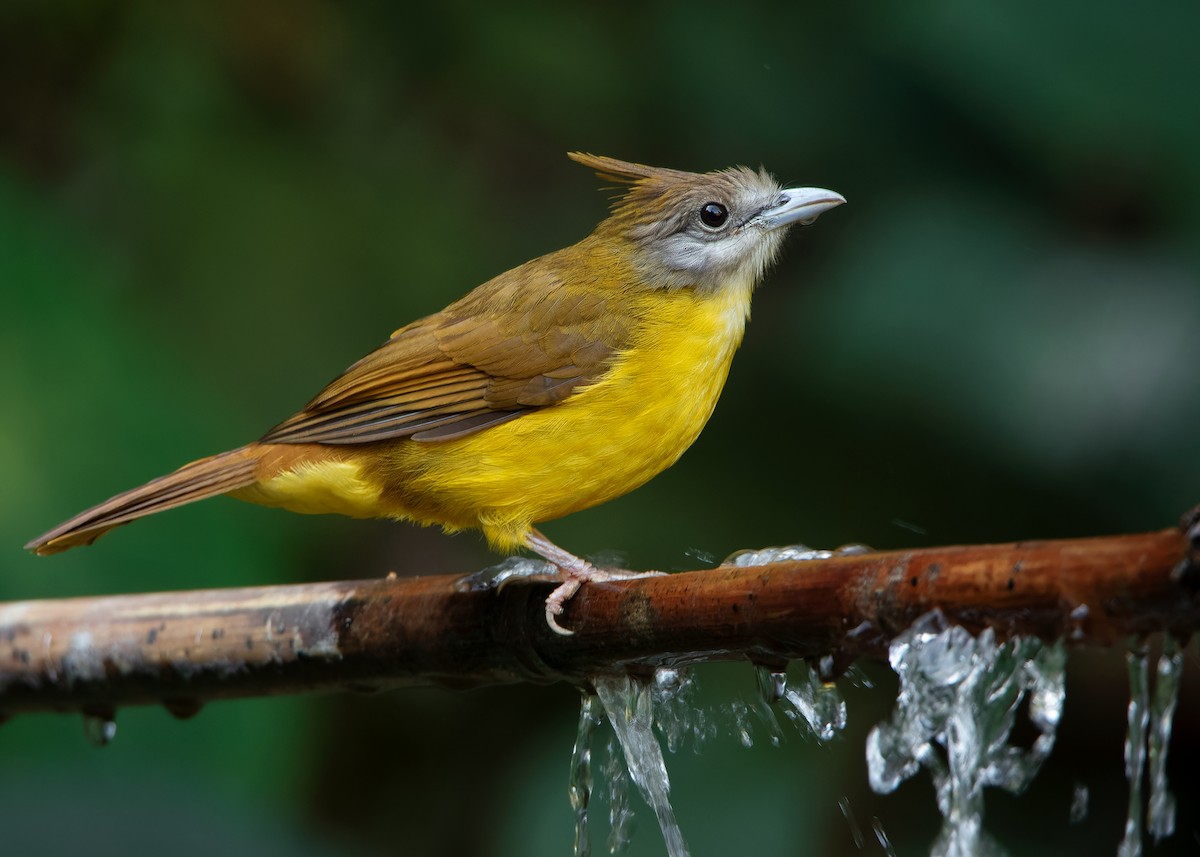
[{"x": 556, "y": 386}]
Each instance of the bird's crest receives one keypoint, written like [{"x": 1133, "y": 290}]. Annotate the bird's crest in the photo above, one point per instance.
[
  {"x": 647, "y": 199},
  {"x": 640, "y": 190},
  {"x": 623, "y": 172}
]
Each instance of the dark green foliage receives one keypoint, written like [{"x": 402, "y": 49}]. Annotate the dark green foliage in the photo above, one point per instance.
[{"x": 207, "y": 210}]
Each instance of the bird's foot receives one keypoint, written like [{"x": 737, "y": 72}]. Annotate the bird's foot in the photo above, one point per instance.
[
  {"x": 574, "y": 571},
  {"x": 574, "y": 578}
]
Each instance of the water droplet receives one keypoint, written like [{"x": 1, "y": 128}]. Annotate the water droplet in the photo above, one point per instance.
[
  {"x": 1079, "y": 803},
  {"x": 1048, "y": 674},
  {"x": 99, "y": 729},
  {"x": 496, "y": 576},
  {"x": 818, "y": 705},
  {"x": 884, "y": 842},
  {"x": 1078, "y": 618},
  {"x": 772, "y": 683},
  {"x": 844, "y": 806},
  {"x": 675, "y": 712},
  {"x": 853, "y": 549},
  {"x": 910, "y": 526},
  {"x": 667, "y": 681},
  {"x": 827, "y": 668},
  {"x": 858, "y": 678}
]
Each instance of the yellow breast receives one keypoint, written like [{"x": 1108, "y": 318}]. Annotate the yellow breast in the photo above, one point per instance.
[{"x": 602, "y": 442}]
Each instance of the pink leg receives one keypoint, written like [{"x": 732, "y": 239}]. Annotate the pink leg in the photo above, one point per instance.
[{"x": 575, "y": 571}]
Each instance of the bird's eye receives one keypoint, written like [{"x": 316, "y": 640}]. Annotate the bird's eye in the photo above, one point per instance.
[{"x": 713, "y": 215}]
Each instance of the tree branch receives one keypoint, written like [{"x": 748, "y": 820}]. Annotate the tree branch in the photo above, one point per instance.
[{"x": 183, "y": 648}]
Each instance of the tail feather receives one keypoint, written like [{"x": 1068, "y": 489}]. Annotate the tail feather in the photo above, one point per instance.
[{"x": 217, "y": 474}]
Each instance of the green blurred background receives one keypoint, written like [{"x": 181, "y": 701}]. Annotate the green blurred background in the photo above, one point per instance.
[{"x": 207, "y": 210}]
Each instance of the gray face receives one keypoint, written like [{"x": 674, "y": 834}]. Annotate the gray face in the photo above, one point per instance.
[{"x": 721, "y": 229}]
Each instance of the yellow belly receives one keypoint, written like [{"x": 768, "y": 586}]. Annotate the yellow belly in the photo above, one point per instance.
[{"x": 602, "y": 442}]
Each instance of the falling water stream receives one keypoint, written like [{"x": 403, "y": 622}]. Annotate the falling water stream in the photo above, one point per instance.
[
  {"x": 628, "y": 702},
  {"x": 1160, "y": 813},
  {"x": 958, "y": 701},
  {"x": 641, "y": 709},
  {"x": 1135, "y": 748},
  {"x": 1150, "y": 717}
]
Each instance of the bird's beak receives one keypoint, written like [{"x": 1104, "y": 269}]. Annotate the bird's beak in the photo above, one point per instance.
[{"x": 798, "y": 205}]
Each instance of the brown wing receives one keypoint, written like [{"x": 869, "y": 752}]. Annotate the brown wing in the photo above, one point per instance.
[{"x": 517, "y": 343}]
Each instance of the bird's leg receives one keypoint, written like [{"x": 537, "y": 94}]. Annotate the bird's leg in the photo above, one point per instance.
[{"x": 574, "y": 572}]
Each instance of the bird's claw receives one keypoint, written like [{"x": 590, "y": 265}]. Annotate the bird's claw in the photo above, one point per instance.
[
  {"x": 557, "y": 599},
  {"x": 575, "y": 578}
]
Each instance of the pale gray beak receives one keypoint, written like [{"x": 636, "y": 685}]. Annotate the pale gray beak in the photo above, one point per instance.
[{"x": 798, "y": 205}]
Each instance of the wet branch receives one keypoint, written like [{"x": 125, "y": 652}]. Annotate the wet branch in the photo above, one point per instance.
[{"x": 183, "y": 648}]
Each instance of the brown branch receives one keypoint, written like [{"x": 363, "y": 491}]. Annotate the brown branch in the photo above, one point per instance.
[{"x": 182, "y": 648}]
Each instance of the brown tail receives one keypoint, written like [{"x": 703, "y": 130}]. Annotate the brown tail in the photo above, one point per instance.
[{"x": 217, "y": 474}]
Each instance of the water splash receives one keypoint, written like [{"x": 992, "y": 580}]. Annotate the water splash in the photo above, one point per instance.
[
  {"x": 772, "y": 687},
  {"x": 814, "y": 707},
  {"x": 741, "y": 723},
  {"x": 958, "y": 700},
  {"x": 858, "y": 678},
  {"x": 1160, "y": 817},
  {"x": 792, "y": 553},
  {"x": 579, "y": 785},
  {"x": 765, "y": 556},
  {"x": 668, "y": 703},
  {"x": 513, "y": 568},
  {"x": 677, "y": 713},
  {"x": 701, "y": 555},
  {"x": 629, "y": 704},
  {"x": 817, "y": 704},
  {"x": 1138, "y": 663}
]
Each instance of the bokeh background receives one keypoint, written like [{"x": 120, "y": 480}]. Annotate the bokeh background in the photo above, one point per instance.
[{"x": 208, "y": 209}]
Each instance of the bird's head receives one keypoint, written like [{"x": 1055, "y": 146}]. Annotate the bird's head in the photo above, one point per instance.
[{"x": 702, "y": 230}]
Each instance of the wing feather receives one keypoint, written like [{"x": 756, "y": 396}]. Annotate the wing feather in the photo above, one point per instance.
[{"x": 520, "y": 342}]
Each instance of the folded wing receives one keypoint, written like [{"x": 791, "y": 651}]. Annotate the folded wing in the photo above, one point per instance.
[{"x": 521, "y": 342}]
